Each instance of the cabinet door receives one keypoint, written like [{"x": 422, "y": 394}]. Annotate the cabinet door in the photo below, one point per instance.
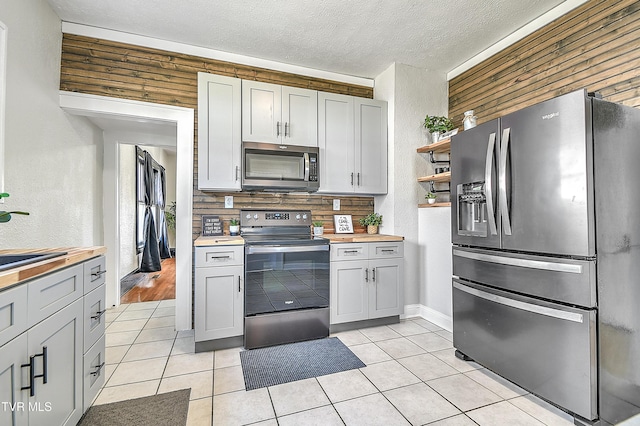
[
  {"x": 335, "y": 140},
  {"x": 219, "y": 140},
  {"x": 371, "y": 146},
  {"x": 261, "y": 112},
  {"x": 59, "y": 400},
  {"x": 300, "y": 116},
  {"x": 14, "y": 402},
  {"x": 349, "y": 300},
  {"x": 219, "y": 302},
  {"x": 386, "y": 291}
]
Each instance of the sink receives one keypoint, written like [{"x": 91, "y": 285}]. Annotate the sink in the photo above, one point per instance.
[{"x": 8, "y": 261}]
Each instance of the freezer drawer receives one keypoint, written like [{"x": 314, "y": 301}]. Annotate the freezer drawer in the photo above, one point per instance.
[
  {"x": 565, "y": 280},
  {"x": 546, "y": 348}
]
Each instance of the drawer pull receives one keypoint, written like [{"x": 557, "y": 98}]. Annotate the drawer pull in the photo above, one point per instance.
[
  {"x": 388, "y": 250},
  {"x": 220, "y": 257},
  {"x": 98, "y": 274},
  {"x": 97, "y": 370},
  {"x": 350, "y": 251},
  {"x": 98, "y": 314}
]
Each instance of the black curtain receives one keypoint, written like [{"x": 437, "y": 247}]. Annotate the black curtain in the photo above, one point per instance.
[
  {"x": 150, "y": 253},
  {"x": 163, "y": 237}
]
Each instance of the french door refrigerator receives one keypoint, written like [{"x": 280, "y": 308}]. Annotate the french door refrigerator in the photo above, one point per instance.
[{"x": 546, "y": 252}]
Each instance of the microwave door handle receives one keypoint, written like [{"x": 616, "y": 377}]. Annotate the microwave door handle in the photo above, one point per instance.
[
  {"x": 488, "y": 184},
  {"x": 504, "y": 208},
  {"x": 306, "y": 166}
]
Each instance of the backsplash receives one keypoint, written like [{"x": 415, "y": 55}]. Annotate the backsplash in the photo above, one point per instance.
[{"x": 321, "y": 206}]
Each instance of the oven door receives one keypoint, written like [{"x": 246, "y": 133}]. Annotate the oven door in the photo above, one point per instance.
[
  {"x": 286, "y": 278},
  {"x": 279, "y": 167}
]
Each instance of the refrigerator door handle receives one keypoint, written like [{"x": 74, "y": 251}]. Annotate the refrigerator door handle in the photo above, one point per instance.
[
  {"x": 525, "y": 306},
  {"x": 488, "y": 169},
  {"x": 502, "y": 184},
  {"x": 522, "y": 263}
]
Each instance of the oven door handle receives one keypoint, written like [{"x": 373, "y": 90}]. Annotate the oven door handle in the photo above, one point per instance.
[{"x": 285, "y": 249}]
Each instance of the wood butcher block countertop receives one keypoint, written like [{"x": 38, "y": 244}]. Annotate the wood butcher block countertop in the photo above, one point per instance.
[
  {"x": 222, "y": 240},
  {"x": 361, "y": 238},
  {"x": 74, "y": 255}
]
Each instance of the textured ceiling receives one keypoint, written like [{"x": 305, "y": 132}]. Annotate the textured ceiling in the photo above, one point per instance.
[{"x": 354, "y": 37}]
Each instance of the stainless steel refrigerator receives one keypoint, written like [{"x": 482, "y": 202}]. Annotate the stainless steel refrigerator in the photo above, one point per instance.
[{"x": 546, "y": 256}]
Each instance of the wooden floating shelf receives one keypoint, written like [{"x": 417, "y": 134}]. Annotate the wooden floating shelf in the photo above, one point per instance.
[
  {"x": 422, "y": 206},
  {"x": 438, "y": 147},
  {"x": 437, "y": 178}
]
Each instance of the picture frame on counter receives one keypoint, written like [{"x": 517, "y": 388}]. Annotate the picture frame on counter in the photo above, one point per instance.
[
  {"x": 211, "y": 226},
  {"x": 343, "y": 224}
]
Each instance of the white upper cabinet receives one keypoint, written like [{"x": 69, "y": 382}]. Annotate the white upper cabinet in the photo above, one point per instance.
[
  {"x": 352, "y": 137},
  {"x": 219, "y": 137},
  {"x": 279, "y": 114},
  {"x": 371, "y": 146}
]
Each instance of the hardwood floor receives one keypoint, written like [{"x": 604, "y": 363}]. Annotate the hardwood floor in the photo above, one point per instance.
[{"x": 159, "y": 285}]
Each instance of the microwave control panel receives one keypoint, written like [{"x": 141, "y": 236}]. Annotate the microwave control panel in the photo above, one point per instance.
[{"x": 313, "y": 168}]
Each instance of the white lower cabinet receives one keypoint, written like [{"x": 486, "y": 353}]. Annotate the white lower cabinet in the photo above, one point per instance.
[
  {"x": 42, "y": 369},
  {"x": 366, "y": 281},
  {"x": 219, "y": 293}
]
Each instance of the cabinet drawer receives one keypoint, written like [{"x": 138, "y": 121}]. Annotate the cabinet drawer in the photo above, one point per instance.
[
  {"x": 51, "y": 293},
  {"x": 93, "y": 372},
  {"x": 351, "y": 251},
  {"x": 13, "y": 313},
  {"x": 94, "y": 273},
  {"x": 94, "y": 318},
  {"x": 384, "y": 250},
  {"x": 219, "y": 256}
]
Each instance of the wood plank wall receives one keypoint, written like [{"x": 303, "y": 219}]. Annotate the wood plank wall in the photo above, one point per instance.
[
  {"x": 596, "y": 46},
  {"x": 108, "y": 68}
]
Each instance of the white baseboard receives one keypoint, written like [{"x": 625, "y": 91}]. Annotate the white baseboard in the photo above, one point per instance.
[{"x": 431, "y": 315}]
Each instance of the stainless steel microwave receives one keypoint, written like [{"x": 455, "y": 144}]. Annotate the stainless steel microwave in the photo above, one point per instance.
[{"x": 274, "y": 167}]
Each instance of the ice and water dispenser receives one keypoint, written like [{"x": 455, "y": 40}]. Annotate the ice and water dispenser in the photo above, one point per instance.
[{"x": 472, "y": 209}]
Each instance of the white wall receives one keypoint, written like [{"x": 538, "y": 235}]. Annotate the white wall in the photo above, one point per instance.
[
  {"x": 411, "y": 93},
  {"x": 53, "y": 161}
]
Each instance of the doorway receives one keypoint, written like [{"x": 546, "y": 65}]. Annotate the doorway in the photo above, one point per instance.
[{"x": 134, "y": 116}]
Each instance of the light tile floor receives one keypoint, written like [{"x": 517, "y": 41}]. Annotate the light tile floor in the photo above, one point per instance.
[{"x": 411, "y": 377}]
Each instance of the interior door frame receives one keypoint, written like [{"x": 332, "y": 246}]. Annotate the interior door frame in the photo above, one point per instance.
[{"x": 114, "y": 108}]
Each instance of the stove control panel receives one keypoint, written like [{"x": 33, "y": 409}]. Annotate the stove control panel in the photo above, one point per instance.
[{"x": 250, "y": 218}]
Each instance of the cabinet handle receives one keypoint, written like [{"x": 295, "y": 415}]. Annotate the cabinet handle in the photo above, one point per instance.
[
  {"x": 374, "y": 274},
  {"x": 285, "y": 129},
  {"x": 358, "y": 178},
  {"x": 239, "y": 283},
  {"x": 237, "y": 172},
  {"x": 351, "y": 179},
  {"x": 44, "y": 365},
  {"x": 366, "y": 275},
  {"x": 98, "y": 314},
  {"x": 277, "y": 128},
  {"x": 220, "y": 257},
  {"x": 350, "y": 251},
  {"x": 31, "y": 366},
  {"x": 97, "y": 370},
  {"x": 98, "y": 274},
  {"x": 388, "y": 250}
]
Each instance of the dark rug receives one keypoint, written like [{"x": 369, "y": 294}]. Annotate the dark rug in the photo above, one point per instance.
[
  {"x": 296, "y": 361},
  {"x": 165, "y": 409}
]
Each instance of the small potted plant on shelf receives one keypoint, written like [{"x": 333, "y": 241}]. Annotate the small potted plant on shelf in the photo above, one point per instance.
[
  {"x": 371, "y": 221},
  {"x": 318, "y": 227},
  {"x": 234, "y": 226},
  {"x": 431, "y": 197},
  {"x": 436, "y": 125}
]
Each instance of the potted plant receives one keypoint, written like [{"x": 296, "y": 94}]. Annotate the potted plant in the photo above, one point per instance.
[
  {"x": 431, "y": 197},
  {"x": 371, "y": 221},
  {"x": 437, "y": 125},
  {"x": 318, "y": 227},
  {"x": 5, "y": 216},
  {"x": 234, "y": 226}
]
